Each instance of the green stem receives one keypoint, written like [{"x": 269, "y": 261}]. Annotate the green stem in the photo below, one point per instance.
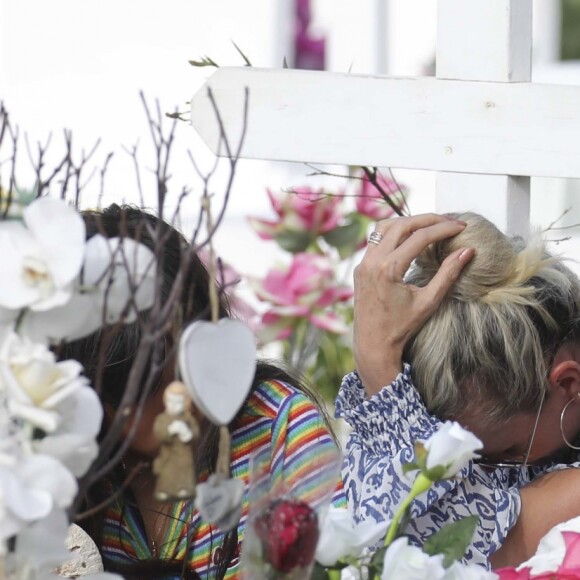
[
  {"x": 422, "y": 483},
  {"x": 333, "y": 574}
]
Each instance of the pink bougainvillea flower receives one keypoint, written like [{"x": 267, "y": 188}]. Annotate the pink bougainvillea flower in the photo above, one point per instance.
[
  {"x": 370, "y": 202},
  {"x": 300, "y": 210},
  {"x": 305, "y": 289}
]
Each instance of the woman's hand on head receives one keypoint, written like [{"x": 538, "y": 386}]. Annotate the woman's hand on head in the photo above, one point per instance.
[{"x": 387, "y": 311}]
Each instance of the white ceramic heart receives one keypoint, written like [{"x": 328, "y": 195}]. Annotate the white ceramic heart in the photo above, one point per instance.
[
  {"x": 219, "y": 501},
  {"x": 217, "y": 361}
]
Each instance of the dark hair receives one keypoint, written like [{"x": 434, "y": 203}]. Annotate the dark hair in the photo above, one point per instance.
[{"x": 194, "y": 304}]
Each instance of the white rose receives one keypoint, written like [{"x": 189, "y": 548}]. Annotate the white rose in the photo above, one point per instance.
[
  {"x": 451, "y": 447},
  {"x": 34, "y": 382},
  {"x": 41, "y": 257},
  {"x": 73, "y": 442},
  {"x": 405, "y": 562},
  {"x": 340, "y": 537}
]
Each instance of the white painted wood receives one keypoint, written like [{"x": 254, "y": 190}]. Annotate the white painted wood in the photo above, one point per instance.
[
  {"x": 503, "y": 199},
  {"x": 484, "y": 40},
  {"x": 381, "y": 35},
  {"x": 547, "y": 31},
  {"x": 472, "y": 127},
  {"x": 285, "y": 19}
]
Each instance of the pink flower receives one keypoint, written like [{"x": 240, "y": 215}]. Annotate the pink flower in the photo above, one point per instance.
[
  {"x": 301, "y": 210},
  {"x": 513, "y": 574},
  {"x": 370, "y": 202},
  {"x": 304, "y": 290}
]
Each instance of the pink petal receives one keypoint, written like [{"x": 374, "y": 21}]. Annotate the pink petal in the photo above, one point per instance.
[
  {"x": 572, "y": 557},
  {"x": 266, "y": 229},
  {"x": 329, "y": 322}
]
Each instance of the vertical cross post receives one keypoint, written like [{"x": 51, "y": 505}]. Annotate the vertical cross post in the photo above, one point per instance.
[{"x": 485, "y": 40}]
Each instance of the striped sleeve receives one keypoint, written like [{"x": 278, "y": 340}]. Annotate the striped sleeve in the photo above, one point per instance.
[{"x": 305, "y": 458}]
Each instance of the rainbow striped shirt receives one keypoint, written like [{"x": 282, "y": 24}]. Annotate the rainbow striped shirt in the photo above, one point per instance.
[{"x": 276, "y": 416}]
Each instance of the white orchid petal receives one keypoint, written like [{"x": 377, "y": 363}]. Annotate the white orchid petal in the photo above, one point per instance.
[
  {"x": 45, "y": 473},
  {"x": 42, "y": 544},
  {"x": 60, "y": 229},
  {"x": 98, "y": 258},
  {"x": 58, "y": 297},
  {"x": 82, "y": 413},
  {"x": 79, "y": 317},
  {"x": 14, "y": 292},
  {"x": 75, "y": 452},
  {"x": 21, "y": 500}
]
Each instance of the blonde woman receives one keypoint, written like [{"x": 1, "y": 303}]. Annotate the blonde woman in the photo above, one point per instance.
[{"x": 491, "y": 346}]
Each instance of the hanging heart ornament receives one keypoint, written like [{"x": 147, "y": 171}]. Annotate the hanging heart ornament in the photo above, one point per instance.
[{"x": 217, "y": 361}]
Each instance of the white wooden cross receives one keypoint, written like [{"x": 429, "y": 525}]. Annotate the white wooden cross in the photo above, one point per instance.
[{"x": 481, "y": 123}]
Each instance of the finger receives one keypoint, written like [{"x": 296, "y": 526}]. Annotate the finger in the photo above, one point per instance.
[
  {"x": 419, "y": 241},
  {"x": 446, "y": 277},
  {"x": 396, "y": 231}
]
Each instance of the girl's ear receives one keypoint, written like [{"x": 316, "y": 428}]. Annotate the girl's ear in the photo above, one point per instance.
[{"x": 564, "y": 376}]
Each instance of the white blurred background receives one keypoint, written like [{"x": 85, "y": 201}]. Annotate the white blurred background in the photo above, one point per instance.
[{"x": 80, "y": 64}]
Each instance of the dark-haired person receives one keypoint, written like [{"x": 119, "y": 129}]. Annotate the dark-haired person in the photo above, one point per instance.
[
  {"x": 485, "y": 326},
  {"x": 137, "y": 535}
]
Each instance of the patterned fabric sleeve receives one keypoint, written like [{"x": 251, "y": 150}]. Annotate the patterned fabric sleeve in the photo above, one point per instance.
[
  {"x": 385, "y": 429},
  {"x": 301, "y": 446}
]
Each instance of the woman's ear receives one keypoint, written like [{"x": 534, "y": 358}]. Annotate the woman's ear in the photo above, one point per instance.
[{"x": 564, "y": 376}]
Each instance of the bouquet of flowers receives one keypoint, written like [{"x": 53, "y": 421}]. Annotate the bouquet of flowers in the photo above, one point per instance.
[
  {"x": 308, "y": 298},
  {"x": 55, "y": 287}
]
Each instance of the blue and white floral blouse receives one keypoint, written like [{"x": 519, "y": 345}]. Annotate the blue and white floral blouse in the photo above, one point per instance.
[{"x": 385, "y": 428}]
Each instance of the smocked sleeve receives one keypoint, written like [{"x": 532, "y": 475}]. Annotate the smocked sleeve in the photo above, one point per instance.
[{"x": 385, "y": 428}]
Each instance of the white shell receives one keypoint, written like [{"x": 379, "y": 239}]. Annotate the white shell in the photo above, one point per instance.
[
  {"x": 217, "y": 361},
  {"x": 219, "y": 501},
  {"x": 85, "y": 555}
]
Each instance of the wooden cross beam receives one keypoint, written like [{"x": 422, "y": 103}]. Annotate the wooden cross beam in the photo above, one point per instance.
[{"x": 481, "y": 123}]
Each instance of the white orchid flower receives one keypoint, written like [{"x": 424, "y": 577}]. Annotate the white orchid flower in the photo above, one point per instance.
[
  {"x": 132, "y": 276},
  {"x": 405, "y": 562},
  {"x": 42, "y": 256},
  {"x": 118, "y": 277},
  {"x": 35, "y": 383},
  {"x": 340, "y": 537},
  {"x": 40, "y": 547},
  {"x": 452, "y": 447},
  {"x": 31, "y": 489}
]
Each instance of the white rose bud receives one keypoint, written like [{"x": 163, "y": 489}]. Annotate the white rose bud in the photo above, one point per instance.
[{"x": 452, "y": 447}]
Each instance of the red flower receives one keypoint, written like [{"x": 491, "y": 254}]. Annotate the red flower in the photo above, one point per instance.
[{"x": 288, "y": 530}]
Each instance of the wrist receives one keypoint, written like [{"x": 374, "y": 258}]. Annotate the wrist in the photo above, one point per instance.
[{"x": 375, "y": 374}]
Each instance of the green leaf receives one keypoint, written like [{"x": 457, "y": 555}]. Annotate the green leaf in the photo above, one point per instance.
[
  {"x": 205, "y": 61},
  {"x": 319, "y": 572},
  {"x": 294, "y": 242},
  {"x": 407, "y": 467},
  {"x": 436, "y": 473},
  {"x": 452, "y": 540},
  {"x": 347, "y": 238},
  {"x": 246, "y": 59},
  {"x": 376, "y": 564}
]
